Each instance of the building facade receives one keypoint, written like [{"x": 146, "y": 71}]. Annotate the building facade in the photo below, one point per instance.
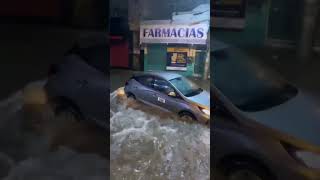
[
  {"x": 177, "y": 47},
  {"x": 170, "y": 41},
  {"x": 276, "y": 23}
]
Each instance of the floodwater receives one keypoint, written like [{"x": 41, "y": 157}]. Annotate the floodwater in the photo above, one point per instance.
[
  {"x": 147, "y": 143},
  {"x": 37, "y": 144}
]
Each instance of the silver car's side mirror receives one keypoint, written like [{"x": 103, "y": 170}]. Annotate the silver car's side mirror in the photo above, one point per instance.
[{"x": 172, "y": 94}]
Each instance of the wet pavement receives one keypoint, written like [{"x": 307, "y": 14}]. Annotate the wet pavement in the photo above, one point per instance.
[{"x": 147, "y": 143}]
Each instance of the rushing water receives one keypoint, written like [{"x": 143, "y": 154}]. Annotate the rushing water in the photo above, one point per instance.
[
  {"x": 147, "y": 143},
  {"x": 29, "y": 128}
]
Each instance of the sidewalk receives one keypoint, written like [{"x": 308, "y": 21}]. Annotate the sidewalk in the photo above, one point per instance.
[{"x": 118, "y": 78}]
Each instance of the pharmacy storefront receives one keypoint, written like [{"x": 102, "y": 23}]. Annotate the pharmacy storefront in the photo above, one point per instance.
[{"x": 179, "y": 48}]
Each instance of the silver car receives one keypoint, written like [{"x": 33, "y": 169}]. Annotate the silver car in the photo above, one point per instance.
[
  {"x": 265, "y": 128},
  {"x": 170, "y": 92},
  {"x": 79, "y": 85}
]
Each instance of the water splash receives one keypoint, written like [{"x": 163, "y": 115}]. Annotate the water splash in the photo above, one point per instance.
[
  {"x": 61, "y": 164},
  {"x": 26, "y": 153},
  {"x": 149, "y": 144}
]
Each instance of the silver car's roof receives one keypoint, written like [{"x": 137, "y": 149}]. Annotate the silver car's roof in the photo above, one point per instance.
[{"x": 163, "y": 74}]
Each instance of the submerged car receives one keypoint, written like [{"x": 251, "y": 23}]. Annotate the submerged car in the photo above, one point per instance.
[
  {"x": 79, "y": 85},
  {"x": 170, "y": 92},
  {"x": 265, "y": 128}
]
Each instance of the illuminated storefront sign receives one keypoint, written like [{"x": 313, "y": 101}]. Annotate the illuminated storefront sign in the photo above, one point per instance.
[{"x": 173, "y": 33}]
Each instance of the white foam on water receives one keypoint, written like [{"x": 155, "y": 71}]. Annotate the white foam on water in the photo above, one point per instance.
[
  {"x": 12, "y": 104},
  {"x": 38, "y": 162},
  {"x": 62, "y": 164},
  {"x": 145, "y": 146}
]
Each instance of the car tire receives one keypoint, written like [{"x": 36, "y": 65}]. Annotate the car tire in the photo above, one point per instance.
[
  {"x": 241, "y": 170},
  {"x": 131, "y": 96},
  {"x": 66, "y": 110},
  {"x": 186, "y": 116}
]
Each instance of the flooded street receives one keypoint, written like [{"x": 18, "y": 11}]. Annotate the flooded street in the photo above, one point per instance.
[
  {"x": 147, "y": 143},
  {"x": 37, "y": 144}
]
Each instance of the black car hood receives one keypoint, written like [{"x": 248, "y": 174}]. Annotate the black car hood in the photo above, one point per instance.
[{"x": 298, "y": 118}]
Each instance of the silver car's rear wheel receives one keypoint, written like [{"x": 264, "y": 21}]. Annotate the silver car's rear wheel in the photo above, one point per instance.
[
  {"x": 131, "y": 96},
  {"x": 65, "y": 110},
  {"x": 186, "y": 116}
]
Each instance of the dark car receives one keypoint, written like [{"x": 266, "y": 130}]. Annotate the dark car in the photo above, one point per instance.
[
  {"x": 79, "y": 84},
  {"x": 264, "y": 127}
]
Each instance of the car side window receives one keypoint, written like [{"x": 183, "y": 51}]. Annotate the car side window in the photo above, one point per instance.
[
  {"x": 162, "y": 86},
  {"x": 145, "y": 80}
]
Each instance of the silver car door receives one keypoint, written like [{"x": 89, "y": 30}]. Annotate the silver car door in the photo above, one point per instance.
[
  {"x": 143, "y": 90},
  {"x": 162, "y": 88}
]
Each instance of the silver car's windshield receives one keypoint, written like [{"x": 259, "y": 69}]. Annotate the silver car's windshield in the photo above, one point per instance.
[{"x": 186, "y": 87}]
